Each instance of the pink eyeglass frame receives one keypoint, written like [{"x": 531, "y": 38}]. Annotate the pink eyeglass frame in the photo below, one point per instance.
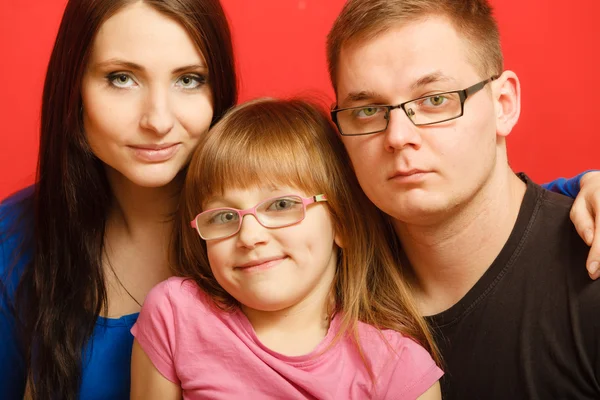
[{"x": 252, "y": 211}]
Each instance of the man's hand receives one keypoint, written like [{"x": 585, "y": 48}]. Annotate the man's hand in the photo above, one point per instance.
[{"x": 585, "y": 215}]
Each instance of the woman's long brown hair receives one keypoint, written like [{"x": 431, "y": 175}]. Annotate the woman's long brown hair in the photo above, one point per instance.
[
  {"x": 62, "y": 289},
  {"x": 292, "y": 143}
]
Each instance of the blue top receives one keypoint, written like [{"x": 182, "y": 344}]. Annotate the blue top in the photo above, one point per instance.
[{"x": 106, "y": 358}]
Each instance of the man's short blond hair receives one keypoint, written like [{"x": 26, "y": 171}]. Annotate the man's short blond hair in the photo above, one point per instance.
[{"x": 362, "y": 20}]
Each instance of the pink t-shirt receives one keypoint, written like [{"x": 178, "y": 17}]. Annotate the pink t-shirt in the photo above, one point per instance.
[{"x": 215, "y": 355}]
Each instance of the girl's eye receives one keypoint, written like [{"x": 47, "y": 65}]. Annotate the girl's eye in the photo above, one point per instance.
[
  {"x": 283, "y": 204},
  {"x": 121, "y": 80},
  {"x": 191, "y": 81},
  {"x": 224, "y": 217}
]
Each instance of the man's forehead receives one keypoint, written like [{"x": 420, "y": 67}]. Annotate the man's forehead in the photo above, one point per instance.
[
  {"x": 365, "y": 92},
  {"x": 389, "y": 61}
]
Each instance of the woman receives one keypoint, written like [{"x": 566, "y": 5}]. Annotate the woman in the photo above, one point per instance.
[{"x": 131, "y": 87}]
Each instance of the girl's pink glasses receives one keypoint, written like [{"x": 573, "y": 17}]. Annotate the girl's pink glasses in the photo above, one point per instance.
[{"x": 276, "y": 212}]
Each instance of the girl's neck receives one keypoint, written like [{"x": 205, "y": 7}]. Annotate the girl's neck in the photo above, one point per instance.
[{"x": 299, "y": 329}]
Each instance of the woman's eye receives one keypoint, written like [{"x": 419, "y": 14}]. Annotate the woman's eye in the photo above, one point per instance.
[
  {"x": 121, "y": 80},
  {"x": 191, "y": 81}
]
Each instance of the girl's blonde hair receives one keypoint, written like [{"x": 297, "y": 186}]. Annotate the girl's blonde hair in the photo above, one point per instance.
[{"x": 293, "y": 143}]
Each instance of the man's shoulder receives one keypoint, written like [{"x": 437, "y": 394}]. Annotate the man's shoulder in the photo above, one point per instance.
[
  {"x": 556, "y": 251},
  {"x": 557, "y": 202},
  {"x": 551, "y": 215}
]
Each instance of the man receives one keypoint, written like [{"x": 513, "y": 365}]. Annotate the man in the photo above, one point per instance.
[{"x": 424, "y": 108}]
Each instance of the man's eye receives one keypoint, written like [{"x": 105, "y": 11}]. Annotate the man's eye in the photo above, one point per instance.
[
  {"x": 436, "y": 100},
  {"x": 366, "y": 112}
]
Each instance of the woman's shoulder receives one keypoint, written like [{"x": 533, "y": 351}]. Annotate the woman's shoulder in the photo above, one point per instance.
[
  {"x": 16, "y": 229},
  {"x": 16, "y": 207},
  {"x": 19, "y": 196}
]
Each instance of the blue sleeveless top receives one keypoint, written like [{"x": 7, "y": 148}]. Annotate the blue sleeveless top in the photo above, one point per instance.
[{"x": 107, "y": 356}]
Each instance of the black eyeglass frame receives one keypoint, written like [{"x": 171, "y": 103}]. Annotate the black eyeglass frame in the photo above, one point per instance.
[{"x": 462, "y": 94}]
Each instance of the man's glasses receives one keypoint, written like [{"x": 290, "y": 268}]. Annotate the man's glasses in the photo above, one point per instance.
[
  {"x": 276, "y": 212},
  {"x": 426, "y": 110}
]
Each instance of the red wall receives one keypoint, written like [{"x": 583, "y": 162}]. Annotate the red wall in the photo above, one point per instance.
[{"x": 280, "y": 51}]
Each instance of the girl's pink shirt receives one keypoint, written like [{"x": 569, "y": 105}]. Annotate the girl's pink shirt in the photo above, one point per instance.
[{"x": 216, "y": 355}]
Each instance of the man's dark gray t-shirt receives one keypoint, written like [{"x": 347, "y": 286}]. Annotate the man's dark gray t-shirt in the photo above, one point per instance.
[{"x": 530, "y": 327}]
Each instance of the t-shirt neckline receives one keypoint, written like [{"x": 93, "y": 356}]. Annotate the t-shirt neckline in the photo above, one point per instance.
[
  {"x": 315, "y": 356},
  {"x": 501, "y": 264}
]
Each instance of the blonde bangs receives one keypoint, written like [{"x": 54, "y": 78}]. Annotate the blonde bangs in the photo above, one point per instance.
[{"x": 259, "y": 145}]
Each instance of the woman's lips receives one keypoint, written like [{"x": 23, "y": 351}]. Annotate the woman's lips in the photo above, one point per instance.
[{"x": 155, "y": 153}]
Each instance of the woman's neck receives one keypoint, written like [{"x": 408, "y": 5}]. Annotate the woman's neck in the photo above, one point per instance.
[
  {"x": 137, "y": 241},
  {"x": 138, "y": 209}
]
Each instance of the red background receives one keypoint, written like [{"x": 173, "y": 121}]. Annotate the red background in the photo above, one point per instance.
[{"x": 280, "y": 47}]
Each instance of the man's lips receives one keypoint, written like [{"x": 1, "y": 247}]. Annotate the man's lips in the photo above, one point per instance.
[
  {"x": 261, "y": 263},
  {"x": 406, "y": 173}
]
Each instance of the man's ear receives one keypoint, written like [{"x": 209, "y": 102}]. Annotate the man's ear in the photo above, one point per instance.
[{"x": 507, "y": 101}]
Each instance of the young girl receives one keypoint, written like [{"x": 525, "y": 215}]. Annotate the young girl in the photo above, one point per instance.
[{"x": 287, "y": 288}]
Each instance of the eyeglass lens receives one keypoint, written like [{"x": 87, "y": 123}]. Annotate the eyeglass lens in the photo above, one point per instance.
[{"x": 272, "y": 213}]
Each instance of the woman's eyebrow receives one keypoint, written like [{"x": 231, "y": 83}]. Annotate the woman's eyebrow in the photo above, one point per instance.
[
  {"x": 121, "y": 63},
  {"x": 191, "y": 67},
  {"x": 137, "y": 67}
]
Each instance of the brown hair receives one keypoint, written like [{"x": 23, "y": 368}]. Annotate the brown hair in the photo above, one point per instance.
[
  {"x": 62, "y": 289},
  {"x": 293, "y": 143},
  {"x": 365, "y": 19}
]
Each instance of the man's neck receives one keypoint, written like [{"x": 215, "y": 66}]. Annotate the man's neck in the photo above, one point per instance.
[{"x": 451, "y": 255}]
